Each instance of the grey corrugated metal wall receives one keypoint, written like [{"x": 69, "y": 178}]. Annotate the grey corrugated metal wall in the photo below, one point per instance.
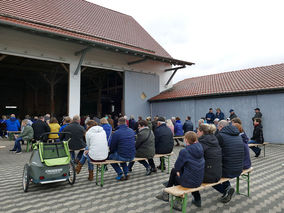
[
  {"x": 271, "y": 105},
  {"x": 135, "y": 84}
]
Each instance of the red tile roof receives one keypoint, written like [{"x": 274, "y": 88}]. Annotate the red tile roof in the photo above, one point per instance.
[
  {"x": 81, "y": 19},
  {"x": 247, "y": 80}
]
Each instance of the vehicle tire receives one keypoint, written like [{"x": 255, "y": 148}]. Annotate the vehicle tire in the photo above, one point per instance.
[
  {"x": 72, "y": 173},
  {"x": 26, "y": 178}
]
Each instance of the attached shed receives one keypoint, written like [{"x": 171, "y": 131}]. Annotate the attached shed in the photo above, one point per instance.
[
  {"x": 242, "y": 90},
  {"x": 76, "y": 57}
]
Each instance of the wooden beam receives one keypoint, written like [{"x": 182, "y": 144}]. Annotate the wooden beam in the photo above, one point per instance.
[{"x": 65, "y": 67}]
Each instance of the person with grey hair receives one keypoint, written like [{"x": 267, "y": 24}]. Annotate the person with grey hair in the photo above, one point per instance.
[
  {"x": 77, "y": 139},
  {"x": 26, "y": 134},
  {"x": 232, "y": 147}
]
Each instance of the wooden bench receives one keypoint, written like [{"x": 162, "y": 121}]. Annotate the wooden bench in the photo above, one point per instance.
[
  {"x": 179, "y": 192},
  {"x": 2, "y": 147},
  {"x": 101, "y": 165},
  {"x": 259, "y": 144}
]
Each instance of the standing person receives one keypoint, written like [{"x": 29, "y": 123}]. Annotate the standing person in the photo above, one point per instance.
[
  {"x": 110, "y": 121},
  {"x": 107, "y": 128},
  {"x": 212, "y": 156},
  {"x": 247, "y": 161},
  {"x": 232, "y": 147},
  {"x": 232, "y": 114},
  {"x": 154, "y": 123},
  {"x": 39, "y": 128},
  {"x": 66, "y": 122},
  {"x": 169, "y": 124},
  {"x": 257, "y": 114},
  {"x": 164, "y": 142},
  {"x": 219, "y": 114},
  {"x": 189, "y": 168},
  {"x": 54, "y": 127},
  {"x": 257, "y": 136},
  {"x": 115, "y": 121},
  {"x": 96, "y": 149},
  {"x": 13, "y": 123},
  {"x": 26, "y": 134},
  {"x": 122, "y": 148},
  {"x": 145, "y": 145},
  {"x": 178, "y": 130},
  {"x": 210, "y": 116},
  {"x": 132, "y": 122},
  {"x": 188, "y": 125},
  {"x": 3, "y": 126},
  {"x": 77, "y": 138}
]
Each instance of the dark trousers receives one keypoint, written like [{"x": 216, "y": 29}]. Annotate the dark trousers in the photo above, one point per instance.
[
  {"x": 143, "y": 162},
  {"x": 152, "y": 164},
  {"x": 222, "y": 187},
  {"x": 173, "y": 179},
  {"x": 79, "y": 155},
  {"x": 255, "y": 149}
]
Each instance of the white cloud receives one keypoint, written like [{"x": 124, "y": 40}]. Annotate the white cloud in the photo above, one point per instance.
[{"x": 219, "y": 36}]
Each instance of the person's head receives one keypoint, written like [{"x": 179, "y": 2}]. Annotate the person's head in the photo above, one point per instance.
[
  {"x": 90, "y": 124},
  {"x": 257, "y": 110},
  {"x": 173, "y": 119},
  {"x": 35, "y": 118},
  {"x": 239, "y": 126},
  {"x": 188, "y": 118},
  {"x": 139, "y": 118},
  {"x": 67, "y": 120},
  {"x": 156, "y": 118},
  {"x": 109, "y": 116},
  {"x": 236, "y": 120},
  {"x": 222, "y": 124},
  {"x": 125, "y": 117},
  {"x": 148, "y": 118},
  {"x": 131, "y": 117},
  {"x": 12, "y": 116},
  {"x": 200, "y": 121},
  {"x": 4, "y": 117},
  {"x": 218, "y": 110},
  {"x": 25, "y": 122},
  {"x": 41, "y": 118},
  {"x": 190, "y": 138},
  {"x": 76, "y": 118},
  {"x": 169, "y": 122},
  {"x": 142, "y": 124},
  {"x": 28, "y": 117},
  {"x": 177, "y": 118},
  {"x": 161, "y": 121},
  {"x": 121, "y": 121},
  {"x": 211, "y": 110},
  {"x": 257, "y": 121},
  {"x": 103, "y": 121},
  {"x": 216, "y": 121},
  {"x": 231, "y": 111},
  {"x": 53, "y": 120},
  {"x": 206, "y": 129}
]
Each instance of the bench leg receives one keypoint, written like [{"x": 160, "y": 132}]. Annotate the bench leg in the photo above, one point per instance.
[
  {"x": 169, "y": 164},
  {"x": 97, "y": 174},
  {"x": 102, "y": 175},
  {"x": 171, "y": 203},
  {"x": 238, "y": 185},
  {"x": 248, "y": 179},
  {"x": 28, "y": 145},
  {"x": 184, "y": 204},
  {"x": 162, "y": 163},
  {"x": 264, "y": 150}
]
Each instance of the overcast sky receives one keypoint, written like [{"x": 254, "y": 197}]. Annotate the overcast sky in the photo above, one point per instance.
[{"x": 217, "y": 35}]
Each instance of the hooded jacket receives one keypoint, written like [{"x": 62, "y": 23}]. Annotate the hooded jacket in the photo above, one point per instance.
[
  {"x": 187, "y": 126},
  {"x": 97, "y": 143},
  {"x": 77, "y": 139},
  {"x": 232, "y": 147},
  {"x": 164, "y": 142},
  {"x": 27, "y": 133},
  {"x": 190, "y": 163},
  {"x": 145, "y": 143},
  {"x": 108, "y": 129},
  {"x": 258, "y": 134},
  {"x": 213, "y": 158},
  {"x": 13, "y": 124},
  {"x": 178, "y": 128}
]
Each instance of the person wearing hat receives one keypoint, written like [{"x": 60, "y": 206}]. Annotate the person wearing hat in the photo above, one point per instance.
[
  {"x": 219, "y": 114},
  {"x": 258, "y": 114},
  {"x": 164, "y": 141},
  {"x": 210, "y": 116},
  {"x": 232, "y": 114}
]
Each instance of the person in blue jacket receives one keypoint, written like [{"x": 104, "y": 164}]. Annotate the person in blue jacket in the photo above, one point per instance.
[
  {"x": 189, "y": 167},
  {"x": 210, "y": 116},
  {"x": 219, "y": 114},
  {"x": 13, "y": 123},
  {"x": 122, "y": 148},
  {"x": 66, "y": 122},
  {"x": 178, "y": 129},
  {"x": 107, "y": 128}
]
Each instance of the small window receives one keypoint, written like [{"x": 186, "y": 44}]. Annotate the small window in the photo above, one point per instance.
[{"x": 143, "y": 96}]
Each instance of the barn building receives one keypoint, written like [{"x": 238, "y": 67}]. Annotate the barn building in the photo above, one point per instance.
[
  {"x": 75, "y": 57},
  {"x": 242, "y": 91}
]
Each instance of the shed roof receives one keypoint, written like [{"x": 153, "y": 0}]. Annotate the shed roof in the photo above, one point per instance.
[
  {"x": 83, "y": 20},
  {"x": 242, "y": 81}
]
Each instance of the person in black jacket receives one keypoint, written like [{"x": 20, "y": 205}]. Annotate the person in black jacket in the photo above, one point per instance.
[
  {"x": 188, "y": 125},
  {"x": 212, "y": 156},
  {"x": 77, "y": 141},
  {"x": 257, "y": 136},
  {"x": 232, "y": 114},
  {"x": 39, "y": 128},
  {"x": 232, "y": 147},
  {"x": 164, "y": 141}
]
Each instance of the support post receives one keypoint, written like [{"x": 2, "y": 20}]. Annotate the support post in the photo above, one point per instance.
[{"x": 74, "y": 96}]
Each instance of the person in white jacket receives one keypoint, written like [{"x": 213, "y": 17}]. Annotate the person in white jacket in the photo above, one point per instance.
[{"x": 96, "y": 149}]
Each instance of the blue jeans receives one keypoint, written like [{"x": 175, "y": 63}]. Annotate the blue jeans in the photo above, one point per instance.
[
  {"x": 255, "y": 149},
  {"x": 116, "y": 167},
  {"x": 79, "y": 155},
  {"x": 83, "y": 160},
  {"x": 17, "y": 145},
  {"x": 222, "y": 187}
]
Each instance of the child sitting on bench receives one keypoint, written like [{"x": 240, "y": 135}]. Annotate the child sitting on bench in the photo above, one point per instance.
[{"x": 189, "y": 167}]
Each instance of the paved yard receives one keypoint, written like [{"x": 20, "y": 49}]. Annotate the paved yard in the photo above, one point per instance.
[{"x": 136, "y": 194}]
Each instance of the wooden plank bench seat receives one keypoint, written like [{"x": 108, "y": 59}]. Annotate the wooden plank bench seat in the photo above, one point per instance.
[
  {"x": 101, "y": 165},
  {"x": 259, "y": 144},
  {"x": 179, "y": 192},
  {"x": 2, "y": 147}
]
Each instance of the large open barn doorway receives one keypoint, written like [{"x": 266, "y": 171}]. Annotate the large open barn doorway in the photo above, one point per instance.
[
  {"x": 34, "y": 87},
  {"x": 101, "y": 92}
]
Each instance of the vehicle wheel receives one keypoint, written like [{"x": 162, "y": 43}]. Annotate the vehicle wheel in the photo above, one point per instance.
[
  {"x": 26, "y": 178},
  {"x": 72, "y": 173}
]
